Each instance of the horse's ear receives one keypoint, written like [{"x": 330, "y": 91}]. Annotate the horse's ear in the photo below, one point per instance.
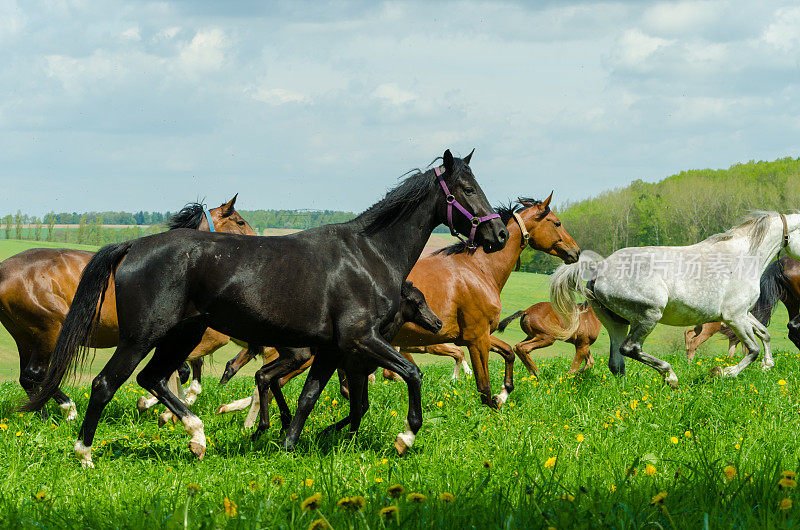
[
  {"x": 546, "y": 203},
  {"x": 447, "y": 159},
  {"x": 526, "y": 204},
  {"x": 227, "y": 208},
  {"x": 469, "y": 156}
]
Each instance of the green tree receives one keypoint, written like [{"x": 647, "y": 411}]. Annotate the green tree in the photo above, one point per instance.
[
  {"x": 51, "y": 221},
  {"x": 8, "y": 220},
  {"x": 82, "y": 232},
  {"x": 37, "y": 229},
  {"x": 18, "y": 224}
]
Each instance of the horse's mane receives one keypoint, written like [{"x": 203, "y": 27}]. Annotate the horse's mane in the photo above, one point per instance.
[
  {"x": 506, "y": 211},
  {"x": 400, "y": 201},
  {"x": 755, "y": 226},
  {"x": 190, "y": 216}
]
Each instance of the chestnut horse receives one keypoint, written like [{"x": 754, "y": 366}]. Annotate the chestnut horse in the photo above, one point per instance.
[
  {"x": 37, "y": 287},
  {"x": 539, "y": 320},
  {"x": 463, "y": 286},
  {"x": 780, "y": 281}
]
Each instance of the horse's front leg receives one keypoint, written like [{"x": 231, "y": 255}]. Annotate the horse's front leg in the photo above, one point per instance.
[
  {"x": 479, "y": 355},
  {"x": 508, "y": 379},
  {"x": 744, "y": 329}
]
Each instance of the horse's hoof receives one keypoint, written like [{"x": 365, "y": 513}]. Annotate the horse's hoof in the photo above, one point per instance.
[
  {"x": 767, "y": 367},
  {"x": 197, "y": 450},
  {"x": 717, "y": 371},
  {"x": 141, "y": 404},
  {"x": 400, "y": 445},
  {"x": 222, "y": 409},
  {"x": 162, "y": 420},
  {"x": 257, "y": 433}
]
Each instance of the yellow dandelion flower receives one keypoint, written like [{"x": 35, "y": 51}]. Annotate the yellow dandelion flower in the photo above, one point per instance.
[
  {"x": 787, "y": 483},
  {"x": 613, "y": 488},
  {"x": 378, "y": 480},
  {"x": 356, "y": 503},
  {"x": 277, "y": 480},
  {"x": 634, "y": 404},
  {"x": 737, "y": 447},
  {"x": 192, "y": 489},
  {"x": 40, "y": 496},
  {"x": 688, "y": 434},
  {"x": 439, "y": 403},
  {"x": 785, "y": 504},
  {"x": 335, "y": 402},
  {"x": 650, "y": 470},
  {"x": 568, "y": 497},
  {"x": 308, "y": 482},
  {"x": 3, "y": 427},
  {"x": 319, "y": 524},
  {"x": 311, "y": 503},
  {"x": 396, "y": 491},
  {"x": 550, "y": 462},
  {"x": 18, "y": 434},
  {"x": 730, "y": 472},
  {"x": 253, "y": 485},
  {"x": 579, "y": 438},
  {"x": 393, "y": 413},
  {"x": 418, "y": 498},
  {"x": 782, "y": 382},
  {"x": 447, "y": 497},
  {"x": 788, "y": 474},
  {"x": 659, "y": 498},
  {"x": 293, "y": 497},
  {"x": 384, "y": 461},
  {"x": 230, "y": 507},
  {"x": 674, "y": 439},
  {"x": 389, "y": 513}
]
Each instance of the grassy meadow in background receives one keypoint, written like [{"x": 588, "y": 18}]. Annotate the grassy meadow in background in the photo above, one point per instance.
[{"x": 585, "y": 451}]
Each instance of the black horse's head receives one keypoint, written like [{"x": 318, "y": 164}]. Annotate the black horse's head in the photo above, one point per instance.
[
  {"x": 490, "y": 234},
  {"x": 414, "y": 308}
]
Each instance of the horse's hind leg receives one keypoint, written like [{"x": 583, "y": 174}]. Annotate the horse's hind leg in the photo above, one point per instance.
[
  {"x": 195, "y": 388},
  {"x": 170, "y": 352},
  {"x": 268, "y": 380},
  {"x": 116, "y": 371},
  {"x": 632, "y": 347},
  {"x": 761, "y": 332},
  {"x": 617, "y": 332},
  {"x": 745, "y": 331}
]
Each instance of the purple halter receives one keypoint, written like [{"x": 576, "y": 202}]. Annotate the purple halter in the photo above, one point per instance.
[{"x": 451, "y": 201}]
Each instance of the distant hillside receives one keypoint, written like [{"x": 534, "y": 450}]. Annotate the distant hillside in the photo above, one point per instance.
[{"x": 679, "y": 210}]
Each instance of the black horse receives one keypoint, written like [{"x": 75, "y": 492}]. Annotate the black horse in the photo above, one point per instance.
[{"x": 333, "y": 288}]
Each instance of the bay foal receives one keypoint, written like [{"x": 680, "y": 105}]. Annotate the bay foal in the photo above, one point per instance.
[{"x": 538, "y": 323}]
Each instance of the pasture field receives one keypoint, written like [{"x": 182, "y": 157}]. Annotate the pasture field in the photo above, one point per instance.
[{"x": 585, "y": 451}]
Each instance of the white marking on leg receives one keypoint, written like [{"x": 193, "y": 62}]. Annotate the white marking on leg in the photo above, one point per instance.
[
  {"x": 70, "y": 410},
  {"x": 407, "y": 437},
  {"x": 466, "y": 368},
  {"x": 84, "y": 454},
  {"x": 234, "y": 406},
  {"x": 194, "y": 426},
  {"x": 502, "y": 396},
  {"x": 456, "y": 372},
  {"x": 146, "y": 402},
  {"x": 671, "y": 378},
  {"x": 255, "y": 409},
  {"x": 194, "y": 390}
]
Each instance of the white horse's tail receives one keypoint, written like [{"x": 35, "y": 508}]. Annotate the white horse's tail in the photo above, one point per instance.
[{"x": 565, "y": 282}]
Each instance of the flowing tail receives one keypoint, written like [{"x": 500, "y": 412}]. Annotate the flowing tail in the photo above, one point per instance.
[
  {"x": 773, "y": 286},
  {"x": 73, "y": 342},
  {"x": 501, "y": 327},
  {"x": 564, "y": 283}
]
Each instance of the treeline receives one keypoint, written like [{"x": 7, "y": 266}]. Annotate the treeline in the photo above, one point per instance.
[{"x": 679, "y": 210}]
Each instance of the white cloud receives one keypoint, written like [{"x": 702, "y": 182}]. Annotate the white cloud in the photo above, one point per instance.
[
  {"x": 682, "y": 18},
  {"x": 277, "y": 96},
  {"x": 167, "y": 33},
  {"x": 635, "y": 48},
  {"x": 393, "y": 94},
  {"x": 205, "y": 52},
  {"x": 131, "y": 34},
  {"x": 784, "y": 32}
]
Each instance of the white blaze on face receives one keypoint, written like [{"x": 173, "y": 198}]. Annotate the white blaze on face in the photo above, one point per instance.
[
  {"x": 84, "y": 454},
  {"x": 194, "y": 427}
]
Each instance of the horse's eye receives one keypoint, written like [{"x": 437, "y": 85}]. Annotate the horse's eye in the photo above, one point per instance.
[
  {"x": 558, "y": 223},
  {"x": 469, "y": 190},
  {"x": 240, "y": 223}
]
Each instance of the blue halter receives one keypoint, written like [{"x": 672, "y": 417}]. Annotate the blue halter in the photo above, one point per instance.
[{"x": 210, "y": 222}]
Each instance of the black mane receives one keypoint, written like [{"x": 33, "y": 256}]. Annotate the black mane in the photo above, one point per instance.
[
  {"x": 399, "y": 202},
  {"x": 506, "y": 211},
  {"x": 190, "y": 216}
]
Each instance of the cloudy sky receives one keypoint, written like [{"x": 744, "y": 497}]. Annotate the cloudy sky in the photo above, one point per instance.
[{"x": 147, "y": 105}]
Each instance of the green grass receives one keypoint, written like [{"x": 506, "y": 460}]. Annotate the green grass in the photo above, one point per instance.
[{"x": 596, "y": 427}]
